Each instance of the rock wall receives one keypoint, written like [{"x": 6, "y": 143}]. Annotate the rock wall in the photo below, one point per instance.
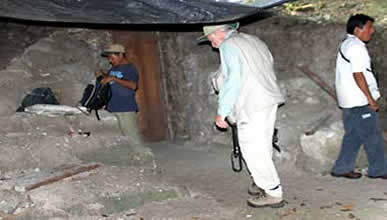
[
  {"x": 378, "y": 49},
  {"x": 14, "y": 38},
  {"x": 64, "y": 60},
  {"x": 191, "y": 101}
]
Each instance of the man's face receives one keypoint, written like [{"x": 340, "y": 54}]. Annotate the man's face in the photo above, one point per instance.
[
  {"x": 217, "y": 38},
  {"x": 365, "y": 33},
  {"x": 115, "y": 59}
]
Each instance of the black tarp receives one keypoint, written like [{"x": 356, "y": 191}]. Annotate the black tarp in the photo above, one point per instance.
[{"x": 133, "y": 11}]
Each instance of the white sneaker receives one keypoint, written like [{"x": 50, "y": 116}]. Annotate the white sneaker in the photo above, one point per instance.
[{"x": 266, "y": 201}]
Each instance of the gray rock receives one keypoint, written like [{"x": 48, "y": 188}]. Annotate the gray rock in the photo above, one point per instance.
[{"x": 322, "y": 148}]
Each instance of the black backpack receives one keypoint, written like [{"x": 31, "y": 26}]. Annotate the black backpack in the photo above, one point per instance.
[
  {"x": 38, "y": 96},
  {"x": 96, "y": 97}
]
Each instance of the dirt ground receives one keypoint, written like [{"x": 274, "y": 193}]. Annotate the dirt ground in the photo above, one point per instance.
[
  {"x": 308, "y": 196},
  {"x": 192, "y": 183}
]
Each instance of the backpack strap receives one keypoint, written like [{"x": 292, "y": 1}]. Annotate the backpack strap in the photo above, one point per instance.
[
  {"x": 342, "y": 55},
  {"x": 341, "y": 52},
  {"x": 97, "y": 115},
  {"x": 346, "y": 59}
]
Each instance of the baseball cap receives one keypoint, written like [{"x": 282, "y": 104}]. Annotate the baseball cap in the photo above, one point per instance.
[{"x": 114, "y": 48}]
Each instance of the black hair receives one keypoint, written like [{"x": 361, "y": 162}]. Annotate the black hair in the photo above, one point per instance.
[
  {"x": 357, "y": 20},
  {"x": 118, "y": 53},
  {"x": 106, "y": 54}
]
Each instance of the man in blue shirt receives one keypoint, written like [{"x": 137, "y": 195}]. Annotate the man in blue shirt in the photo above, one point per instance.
[{"x": 123, "y": 80}]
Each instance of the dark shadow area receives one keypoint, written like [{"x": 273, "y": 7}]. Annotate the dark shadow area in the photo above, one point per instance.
[{"x": 197, "y": 27}]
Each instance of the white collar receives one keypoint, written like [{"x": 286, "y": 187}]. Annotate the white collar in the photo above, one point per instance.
[{"x": 355, "y": 38}]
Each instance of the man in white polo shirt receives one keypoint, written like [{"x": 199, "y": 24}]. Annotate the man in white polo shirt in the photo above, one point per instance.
[{"x": 357, "y": 93}]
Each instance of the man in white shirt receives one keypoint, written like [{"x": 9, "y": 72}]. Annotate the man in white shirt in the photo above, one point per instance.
[{"x": 357, "y": 93}]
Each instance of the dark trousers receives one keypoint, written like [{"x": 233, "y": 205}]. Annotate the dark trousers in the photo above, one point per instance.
[{"x": 361, "y": 126}]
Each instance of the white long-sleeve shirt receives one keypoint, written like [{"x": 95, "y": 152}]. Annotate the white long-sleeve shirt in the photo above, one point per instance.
[
  {"x": 250, "y": 81},
  {"x": 232, "y": 69}
]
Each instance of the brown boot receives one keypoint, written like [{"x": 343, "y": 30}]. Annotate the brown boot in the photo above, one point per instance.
[{"x": 266, "y": 201}]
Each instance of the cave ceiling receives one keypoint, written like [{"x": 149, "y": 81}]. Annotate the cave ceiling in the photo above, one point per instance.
[{"x": 133, "y": 11}]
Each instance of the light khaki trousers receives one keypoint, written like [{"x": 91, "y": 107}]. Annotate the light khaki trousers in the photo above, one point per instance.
[
  {"x": 255, "y": 133},
  {"x": 127, "y": 121}
]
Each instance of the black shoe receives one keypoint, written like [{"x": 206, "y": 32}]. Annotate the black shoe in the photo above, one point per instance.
[
  {"x": 350, "y": 175},
  {"x": 379, "y": 177}
]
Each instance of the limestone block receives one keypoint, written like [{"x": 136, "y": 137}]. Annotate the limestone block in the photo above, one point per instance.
[{"x": 320, "y": 150}]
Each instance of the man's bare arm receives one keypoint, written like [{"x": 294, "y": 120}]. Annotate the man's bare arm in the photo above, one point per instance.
[{"x": 362, "y": 83}]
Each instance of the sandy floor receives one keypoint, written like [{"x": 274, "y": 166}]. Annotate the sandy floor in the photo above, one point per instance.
[
  {"x": 183, "y": 183},
  {"x": 308, "y": 196}
]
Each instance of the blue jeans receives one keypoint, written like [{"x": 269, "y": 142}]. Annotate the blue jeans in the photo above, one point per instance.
[{"x": 361, "y": 126}]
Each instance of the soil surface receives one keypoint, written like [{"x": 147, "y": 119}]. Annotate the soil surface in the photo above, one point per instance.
[
  {"x": 308, "y": 196},
  {"x": 191, "y": 182}
]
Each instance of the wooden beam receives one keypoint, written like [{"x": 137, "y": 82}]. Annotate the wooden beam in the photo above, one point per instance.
[
  {"x": 318, "y": 80},
  {"x": 35, "y": 180}
]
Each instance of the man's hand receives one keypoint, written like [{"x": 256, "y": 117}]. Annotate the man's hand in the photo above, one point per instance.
[
  {"x": 107, "y": 79},
  {"x": 99, "y": 73},
  {"x": 362, "y": 83},
  {"x": 221, "y": 122},
  {"x": 374, "y": 106}
]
